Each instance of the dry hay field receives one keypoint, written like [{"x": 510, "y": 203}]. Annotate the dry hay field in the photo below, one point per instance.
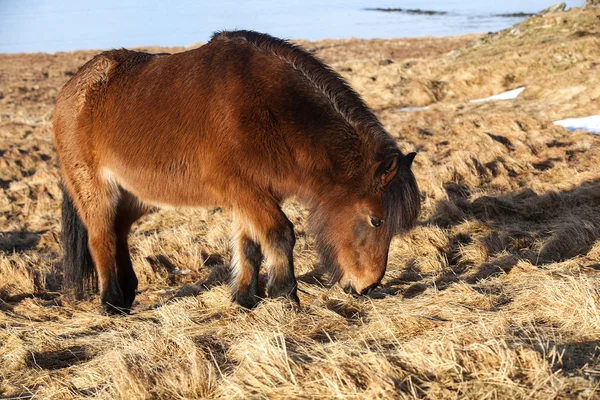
[{"x": 495, "y": 294}]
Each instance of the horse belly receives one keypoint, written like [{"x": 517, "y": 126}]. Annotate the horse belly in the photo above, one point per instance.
[{"x": 163, "y": 187}]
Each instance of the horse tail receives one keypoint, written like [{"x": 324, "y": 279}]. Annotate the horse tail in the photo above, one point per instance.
[{"x": 79, "y": 273}]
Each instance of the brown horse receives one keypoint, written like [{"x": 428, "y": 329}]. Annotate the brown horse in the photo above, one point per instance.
[{"x": 243, "y": 122}]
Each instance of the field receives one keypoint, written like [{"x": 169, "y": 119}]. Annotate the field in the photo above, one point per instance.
[{"x": 495, "y": 294}]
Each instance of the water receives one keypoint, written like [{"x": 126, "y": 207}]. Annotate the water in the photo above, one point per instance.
[{"x": 50, "y": 26}]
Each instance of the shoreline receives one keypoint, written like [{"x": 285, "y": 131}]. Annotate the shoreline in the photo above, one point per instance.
[
  {"x": 180, "y": 48},
  {"x": 355, "y": 20}
]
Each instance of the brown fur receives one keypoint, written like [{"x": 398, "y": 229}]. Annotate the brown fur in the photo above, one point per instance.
[{"x": 243, "y": 122}]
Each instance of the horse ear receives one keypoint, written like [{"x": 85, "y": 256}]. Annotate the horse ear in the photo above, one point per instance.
[
  {"x": 387, "y": 170},
  {"x": 408, "y": 159}
]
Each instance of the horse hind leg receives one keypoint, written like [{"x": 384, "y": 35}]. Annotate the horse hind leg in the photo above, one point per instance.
[
  {"x": 96, "y": 199},
  {"x": 129, "y": 210}
]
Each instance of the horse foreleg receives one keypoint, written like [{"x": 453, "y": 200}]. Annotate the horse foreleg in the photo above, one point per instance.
[
  {"x": 275, "y": 233},
  {"x": 280, "y": 260},
  {"x": 129, "y": 210},
  {"x": 96, "y": 201},
  {"x": 245, "y": 266},
  {"x": 103, "y": 247}
]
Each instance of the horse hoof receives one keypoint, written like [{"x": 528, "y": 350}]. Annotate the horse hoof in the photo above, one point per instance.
[
  {"x": 113, "y": 302},
  {"x": 129, "y": 300},
  {"x": 109, "y": 309},
  {"x": 291, "y": 294},
  {"x": 128, "y": 288},
  {"x": 246, "y": 300}
]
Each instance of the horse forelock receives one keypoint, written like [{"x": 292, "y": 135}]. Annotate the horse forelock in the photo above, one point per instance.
[{"x": 401, "y": 202}]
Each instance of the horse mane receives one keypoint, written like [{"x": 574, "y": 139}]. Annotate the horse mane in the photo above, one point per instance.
[
  {"x": 344, "y": 100},
  {"x": 401, "y": 201}
]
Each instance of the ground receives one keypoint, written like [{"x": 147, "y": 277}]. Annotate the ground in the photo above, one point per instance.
[{"x": 495, "y": 294}]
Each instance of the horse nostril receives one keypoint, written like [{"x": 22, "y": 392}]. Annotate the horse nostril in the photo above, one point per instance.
[{"x": 368, "y": 289}]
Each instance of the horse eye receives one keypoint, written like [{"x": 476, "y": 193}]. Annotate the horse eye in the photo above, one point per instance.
[{"x": 376, "y": 222}]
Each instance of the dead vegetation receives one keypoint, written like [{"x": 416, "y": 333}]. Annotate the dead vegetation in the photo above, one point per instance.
[{"x": 496, "y": 294}]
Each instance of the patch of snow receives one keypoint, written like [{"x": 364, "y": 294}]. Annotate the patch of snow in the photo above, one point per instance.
[
  {"x": 511, "y": 94},
  {"x": 409, "y": 109},
  {"x": 590, "y": 124}
]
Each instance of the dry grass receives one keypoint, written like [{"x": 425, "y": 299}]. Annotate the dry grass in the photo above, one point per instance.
[{"x": 496, "y": 294}]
